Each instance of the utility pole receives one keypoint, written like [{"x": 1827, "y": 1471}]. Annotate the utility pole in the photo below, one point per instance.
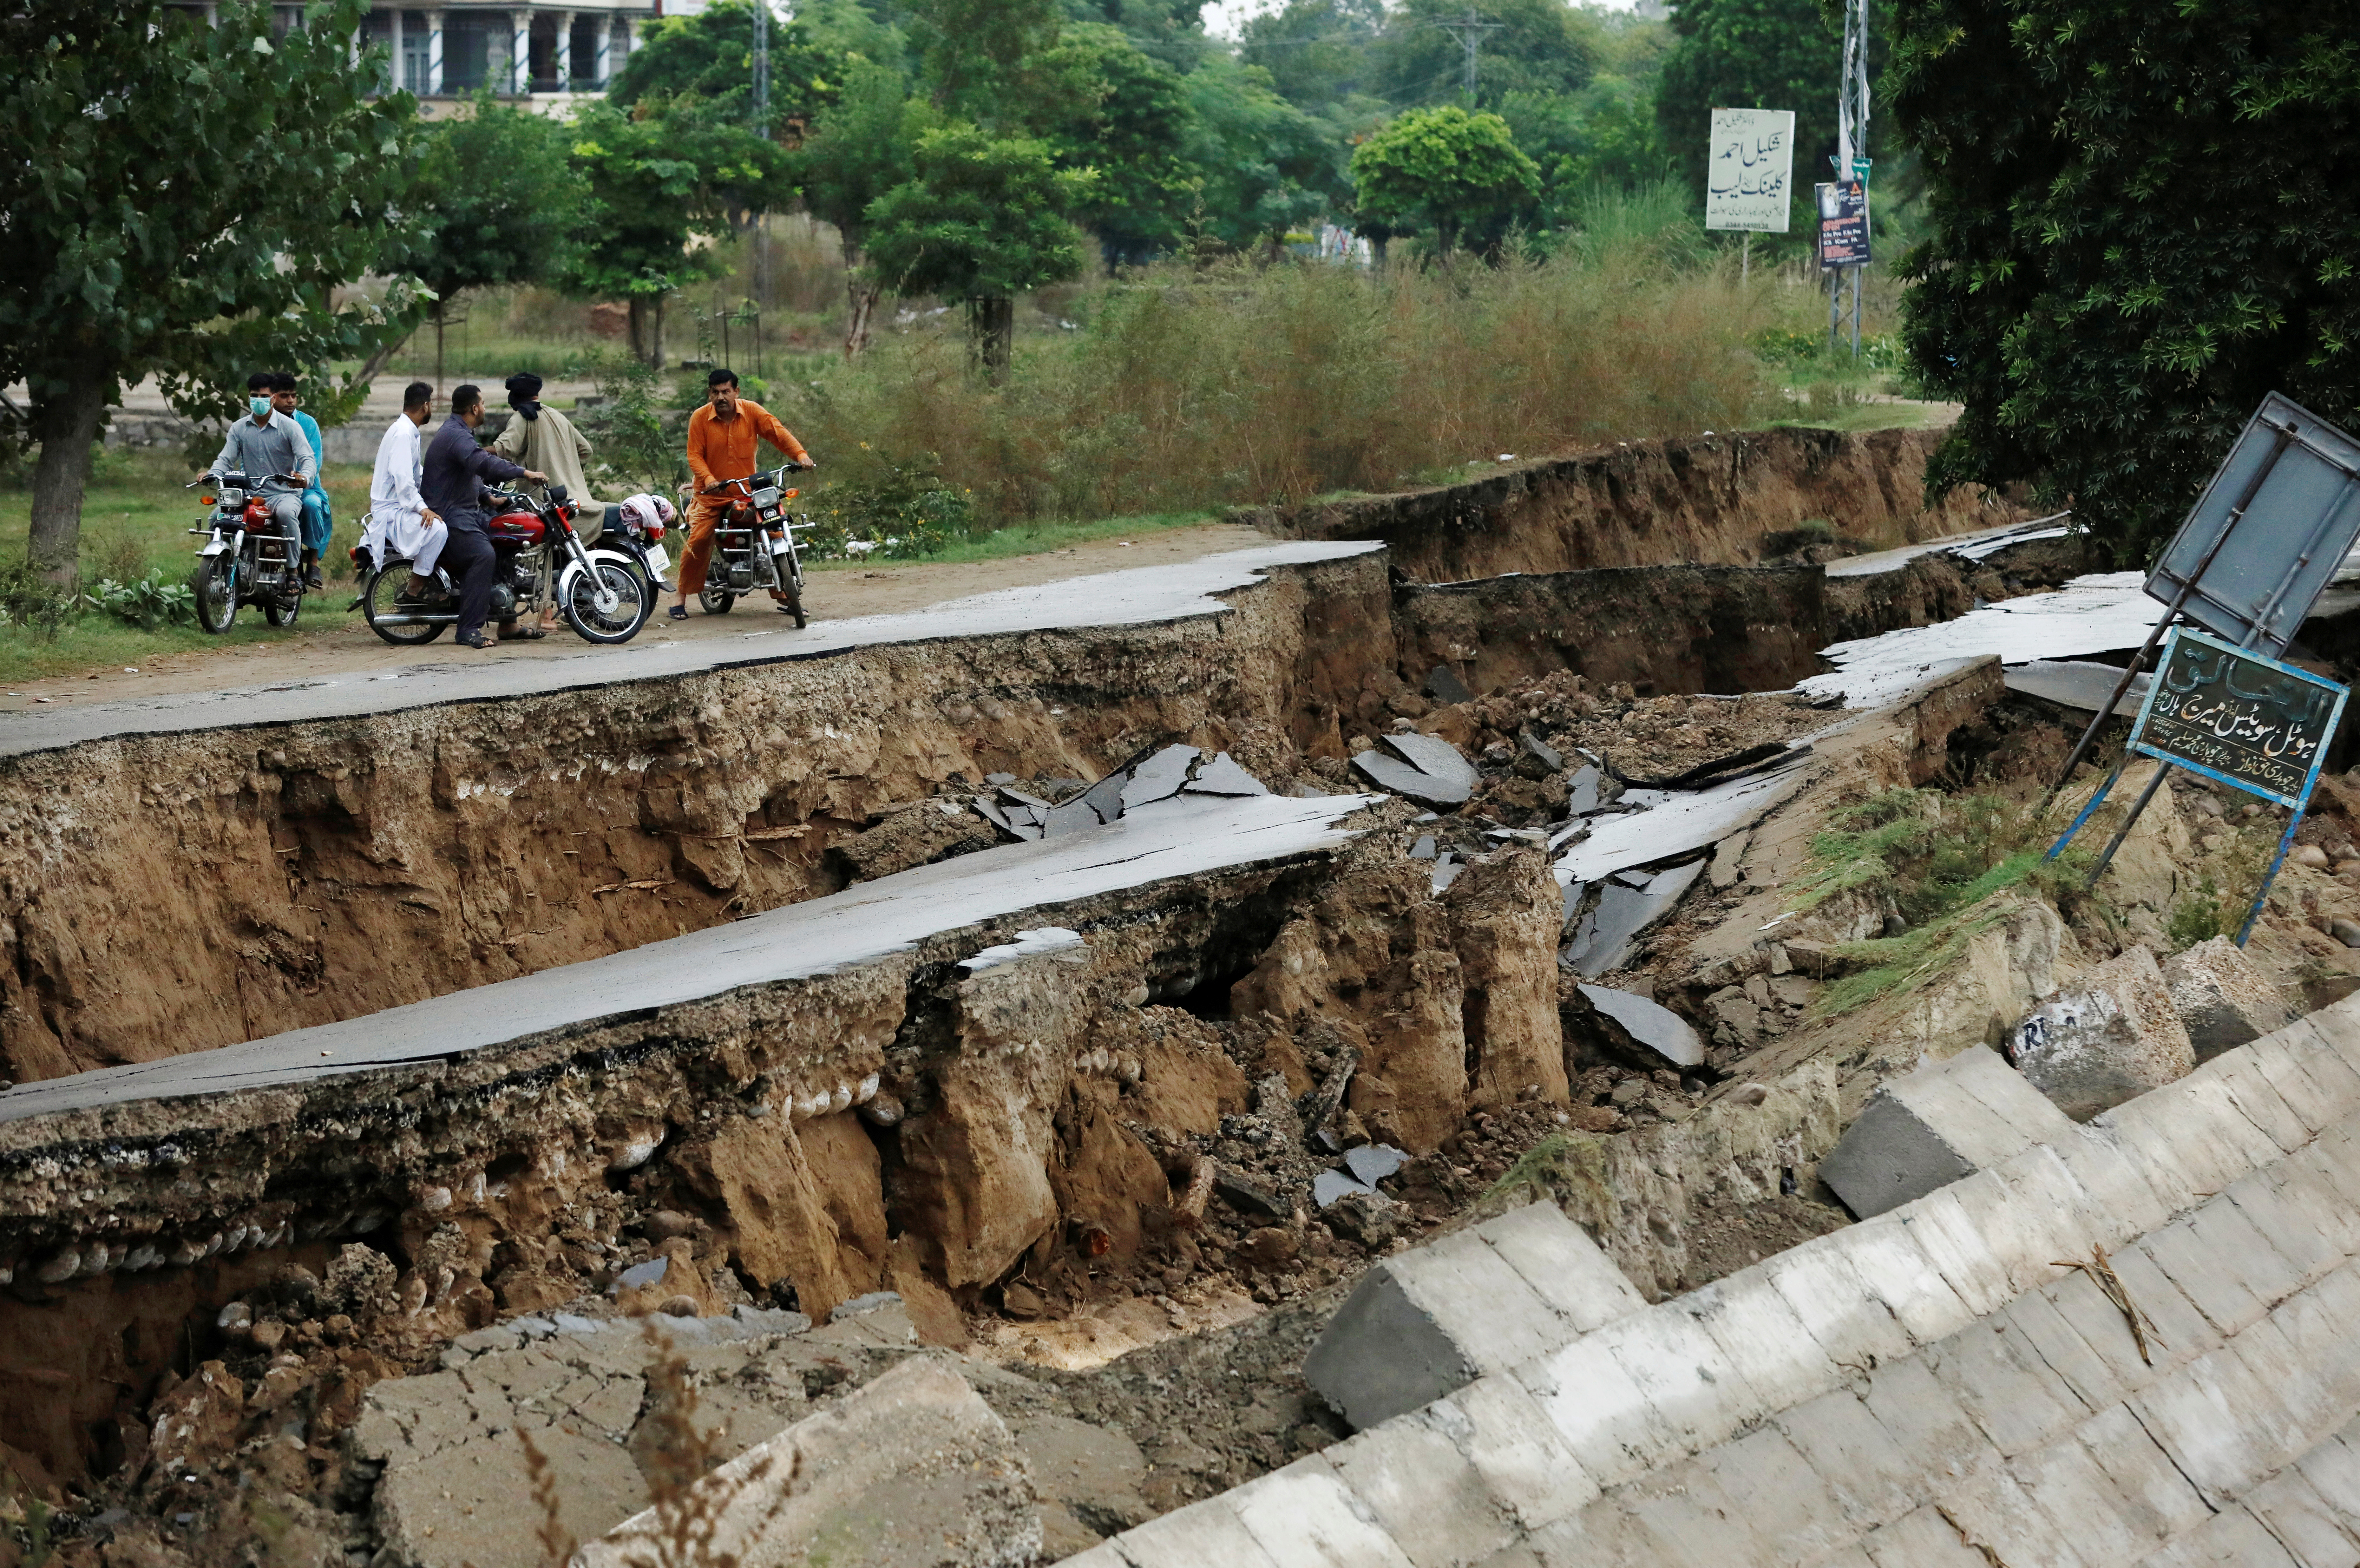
[
  {"x": 762, "y": 129},
  {"x": 1851, "y": 134},
  {"x": 761, "y": 64},
  {"x": 1470, "y": 31}
]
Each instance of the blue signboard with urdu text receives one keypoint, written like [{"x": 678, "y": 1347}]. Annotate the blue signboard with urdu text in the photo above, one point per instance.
[{"x": 2256, "y": 723}]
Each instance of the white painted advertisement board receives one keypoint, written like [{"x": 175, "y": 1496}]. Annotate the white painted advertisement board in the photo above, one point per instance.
[{"x": 1751, "y": 171}]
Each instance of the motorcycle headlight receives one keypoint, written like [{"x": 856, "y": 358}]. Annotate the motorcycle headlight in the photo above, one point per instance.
[{"x": 767, "y": 497}]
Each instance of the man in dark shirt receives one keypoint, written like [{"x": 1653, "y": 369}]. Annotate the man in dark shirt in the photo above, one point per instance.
[{"x": 453, "y": 484}]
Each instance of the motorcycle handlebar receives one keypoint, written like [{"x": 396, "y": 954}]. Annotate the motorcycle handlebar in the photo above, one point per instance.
[{"x": 749, "y": 480}]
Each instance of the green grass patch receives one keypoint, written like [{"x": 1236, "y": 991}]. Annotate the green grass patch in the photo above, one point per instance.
[
  {"x": 1028, "y": 538},
  {"x": 135, "y": 518},
  {"x": 92, "y": 642},
  {"x": 1937, "y": 858}
]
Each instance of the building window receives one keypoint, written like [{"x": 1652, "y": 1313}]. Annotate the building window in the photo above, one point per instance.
[
  {"x": 585, "y": 53},
  {"x": 416, "y": 37},
  {"x": 466, "y": 51}
]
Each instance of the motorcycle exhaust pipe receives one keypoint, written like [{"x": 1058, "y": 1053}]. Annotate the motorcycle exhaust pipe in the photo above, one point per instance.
[{"x": 415, "y": 621}]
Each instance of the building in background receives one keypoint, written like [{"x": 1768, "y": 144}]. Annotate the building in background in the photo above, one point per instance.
[
  {"x": 445, "y": 54},
  {"x": 550, "y": 53}
]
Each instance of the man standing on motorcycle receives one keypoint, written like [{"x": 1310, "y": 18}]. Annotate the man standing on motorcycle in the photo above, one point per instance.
[
  {"x": 274, "y": 454},
  {"x": 453, "y": 484},
  {"x": 721, "y": 438}
]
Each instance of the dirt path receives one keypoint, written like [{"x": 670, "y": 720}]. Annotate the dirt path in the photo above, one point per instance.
[{"x": 336, "y": 643}]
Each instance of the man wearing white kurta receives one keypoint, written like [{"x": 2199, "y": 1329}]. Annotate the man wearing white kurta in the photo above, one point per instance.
[{"x": 401, "y": 523}]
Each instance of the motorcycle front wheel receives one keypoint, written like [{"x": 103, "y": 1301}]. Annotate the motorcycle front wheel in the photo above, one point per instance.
[
  {"x": 384, "y": 585},
  {"x": 794, "y": 591},
  {"x": 216, "y": 592},
  {"x": 621, "y": 621}
]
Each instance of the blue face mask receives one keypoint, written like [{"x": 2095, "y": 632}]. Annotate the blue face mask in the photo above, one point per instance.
[{"x": 261, "y": 407}]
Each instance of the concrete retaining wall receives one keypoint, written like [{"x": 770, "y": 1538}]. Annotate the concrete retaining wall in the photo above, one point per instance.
[{"x": 1931, "y": 1386}]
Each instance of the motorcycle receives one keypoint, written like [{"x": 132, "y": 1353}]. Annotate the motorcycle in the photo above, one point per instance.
[
  {"x": 754, "y": 545},
  {"x": 603, "y": 594},
  {"x": 244, "y": 560}
]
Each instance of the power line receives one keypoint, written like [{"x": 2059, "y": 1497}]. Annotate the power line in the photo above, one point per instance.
[{"x": 1469, "y": 32}]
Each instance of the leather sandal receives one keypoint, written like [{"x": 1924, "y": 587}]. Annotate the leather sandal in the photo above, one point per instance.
[{"x": 679, "y": 611}]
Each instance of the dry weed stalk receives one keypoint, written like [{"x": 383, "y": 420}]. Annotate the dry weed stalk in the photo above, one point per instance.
[
  {"x": 688, "y": 1518},
  {"x": 2102, "y": 1273},
  {"x": 557, "y": 1542}
]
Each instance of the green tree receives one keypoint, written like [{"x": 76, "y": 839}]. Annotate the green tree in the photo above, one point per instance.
[
  {"x": 658, "y": 181},
  {"x": 1265, "y": 165},
  {"x": 1755, "y": 54},
  {"x": 1444, "y": 170},
  {"x": 1170, "y": 32},
  {"x": 2144, "y": 219},
  {"x": 182, "y": 201},
  {"x": 974, "y": 53},
  {"x": 1536, "y": 46},
  {"x": 709, "y": 57},
  {"x": 861, "y": 148},
  {"x": 982, "y": 218},
  {"x": 1316, "y": 53},
  {"x": 498, "y": 200},
  {"x": 1104, "y": 105}
]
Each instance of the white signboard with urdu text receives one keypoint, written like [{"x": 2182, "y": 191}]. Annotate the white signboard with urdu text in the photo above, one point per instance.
[{"x": 1751, "y": 171}]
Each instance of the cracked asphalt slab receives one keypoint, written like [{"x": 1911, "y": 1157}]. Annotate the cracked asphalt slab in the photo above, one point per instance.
[
  {"x": 1168, "y": 839},
  {"x": 1143, "y": 596}
]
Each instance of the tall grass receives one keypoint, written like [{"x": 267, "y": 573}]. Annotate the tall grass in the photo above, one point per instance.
[{"x": 1182, "y": 388}]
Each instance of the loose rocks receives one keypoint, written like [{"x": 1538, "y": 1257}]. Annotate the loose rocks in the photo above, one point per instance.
[
  {"x": 2221, "y": 997},
  {"x": 2115, "y": 1035}
]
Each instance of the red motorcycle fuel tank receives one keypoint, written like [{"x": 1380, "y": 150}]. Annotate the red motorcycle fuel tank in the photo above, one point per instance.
[{"x": 516, "y": 528}]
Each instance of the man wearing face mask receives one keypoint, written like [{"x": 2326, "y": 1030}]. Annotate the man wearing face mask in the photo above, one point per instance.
[
  {"x": 452, "y": 484},
  {"x": 276, "y": 457}
]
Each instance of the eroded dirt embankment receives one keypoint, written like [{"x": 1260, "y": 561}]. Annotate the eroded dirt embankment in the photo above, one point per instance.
[
  {"x": 1668, "y": 629},
  {"x": 1714, "y": 500},
  {"x": 166, "y": 894},
  {"x": 1028, "y": 1140}
]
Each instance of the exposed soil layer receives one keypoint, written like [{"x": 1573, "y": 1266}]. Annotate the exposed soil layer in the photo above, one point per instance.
[
  {"x": 1670, "y": 629},
  {"x": 165, "y": 894},
  {"x": 1718, "y": 500},
  {"x": 235, "y": 883}
]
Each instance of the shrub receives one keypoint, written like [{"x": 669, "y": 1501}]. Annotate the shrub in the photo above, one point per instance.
[
  {"x": 631, "y": 445},
  {"x": 30, "y": 600},
  {"x": 1186, "y": 389},
  {"x": 895, "y": 513},
  {"x": 149, "y": 603}
]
